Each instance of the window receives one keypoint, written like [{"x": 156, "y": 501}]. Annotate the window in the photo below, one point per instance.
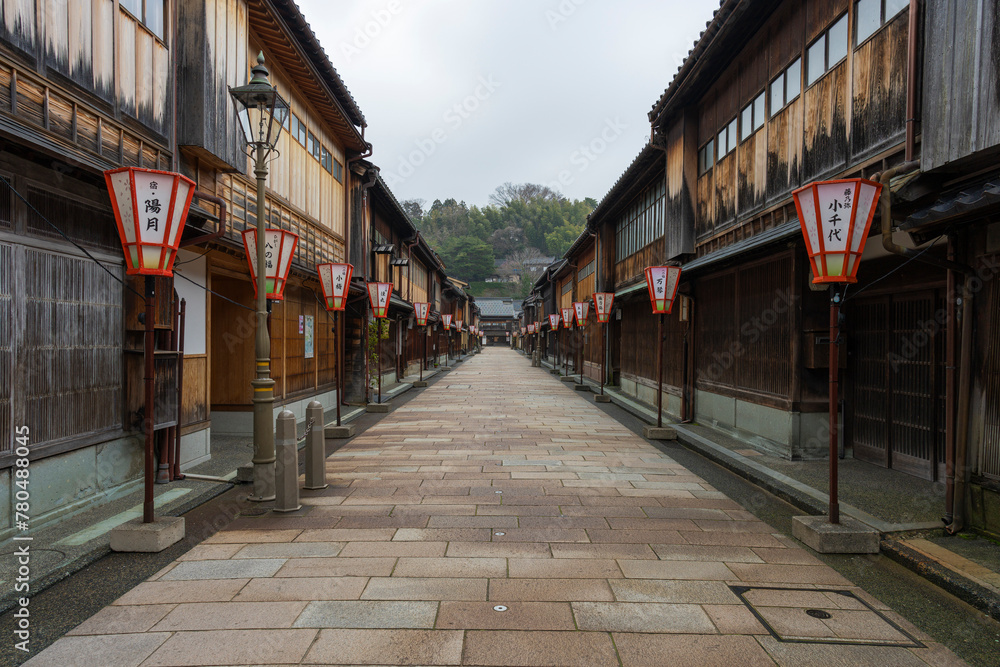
[
  {"x": 148, "y": 12},
  {"x": 787, "y": 86},
  {"x": 706, "y": 157},
  {"x": 641, "y": 223},
  {"x": 326, "y": 159},
  {"x": 870, "y": 15},
  {"x": 752, "y": 117},
  {"x": 338, "y": 170},
  {"x": 727, "y": 140},
  {"x": 827, "y": 51},
  {"x": 299, "y": 130},
  {"x": 586, "y": 271}
]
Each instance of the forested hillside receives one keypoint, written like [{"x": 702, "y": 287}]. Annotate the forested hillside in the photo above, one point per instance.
[{"x": 504, "y": 241}]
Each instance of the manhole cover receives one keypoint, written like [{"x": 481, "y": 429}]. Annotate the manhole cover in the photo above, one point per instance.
[
  {"x": 499, "y": 607},
  {"x": 822, "y": 616}
]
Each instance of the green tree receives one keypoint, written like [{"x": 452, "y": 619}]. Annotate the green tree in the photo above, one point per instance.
[{"x": 468, "y": 258}]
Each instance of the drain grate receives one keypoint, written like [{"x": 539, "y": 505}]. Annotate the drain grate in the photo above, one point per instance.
[{"x": 822, "y": 616}]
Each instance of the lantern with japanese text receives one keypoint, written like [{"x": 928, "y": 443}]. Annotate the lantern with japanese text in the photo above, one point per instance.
[
  {"x": 378, "y": 295},
  {"x": 835, "y": 218},
  {"x": 662, "y": 283},
  {"x": 531, "y": 328},
  {"x": 581, "y": 309},
  {"x": 567, "y": 318},
  {"x": 335, "y": 279},
  {"x": 446, "y": 321},
  {"x": 150, "y": 209},
  {"x": 279, "y": 248},
  {"x": 421, "y": 311},
  {"x": 554, "y": 322},
  {"x": 458, "y": 326},
  {"x": 602, "y": 305}
]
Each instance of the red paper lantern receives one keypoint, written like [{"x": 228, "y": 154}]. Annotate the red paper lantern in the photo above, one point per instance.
[
  {"x": 150, "y": 209},
  {"x": 662, "y": 283},
  {"x": 567, "y": 318},
  {"x": 553, "y": 322},
  {"x": 335, "y": 279},
  {"x": 835, "y": 218},
  {"x": 421, "y": 311},
  {"x": 279, "y": 248},
  {"x": 602, "y": 304},
  {"x": 581, "y": 308},
  {"x": 378, "y": 295},
  {"x": 446, "y": 321},
  {"x": 458, "y": 326}
]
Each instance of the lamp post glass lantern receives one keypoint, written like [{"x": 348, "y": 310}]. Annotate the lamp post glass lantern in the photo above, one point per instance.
[
  {"x": 150, "y": 209},
  {"x": 262, "y": 113},
  {"x": 421, "y": 311},
  {"x": 661, "y": 283},
  {"x": 379, "y": 295},
  {"x": 335, "y": 280},
  {"x": 835, "y": 217}
]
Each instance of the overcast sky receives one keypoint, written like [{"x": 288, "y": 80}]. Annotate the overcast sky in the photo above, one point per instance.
[{"x": 463, "y": 95}]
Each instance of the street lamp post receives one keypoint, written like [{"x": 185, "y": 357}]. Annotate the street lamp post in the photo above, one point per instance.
[
  {"x": 335, "y": 279},
  {"x": 262, "y": 113},
  {"x": 421, "y": 311},
  {"x": 581, "y": 309},
  {"x": 567, "y": 320},
  {"x": 150, "y": 210},
  {"x": 603, "y": 302},
  {"x": 446, "y": 321},
  {"x": 458, "y": 330},
  {"x": 835, "y": 217},
  {"x": 662, "y": 283},
  {"x": 554, "y": 328},
  {"x": 379, "y": 294}
]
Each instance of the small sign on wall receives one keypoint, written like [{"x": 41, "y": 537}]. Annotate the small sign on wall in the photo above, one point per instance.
[
  {"x": 309, "y": 336},
  {"x": 302, "y": 323}
]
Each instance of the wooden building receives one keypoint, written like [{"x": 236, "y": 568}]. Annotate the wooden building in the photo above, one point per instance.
[
  {"x": 775, "y": 95},
  {"x": 497, "y": 319}
]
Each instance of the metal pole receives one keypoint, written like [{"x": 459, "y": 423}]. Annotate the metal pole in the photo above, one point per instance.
[
  {"x": 176, "y": 472},
  {"x": 659, "y": 364},
  {"x": 604, "y": 359},
  {"x": 423, "y": 359},
  {"x": 263, "y": 385},
  {"x": 834, "y": 399},
  {"x": 150, "y": 379},
  {"x": 378, "y": 346},
  {"x": 336, "y": 359}
]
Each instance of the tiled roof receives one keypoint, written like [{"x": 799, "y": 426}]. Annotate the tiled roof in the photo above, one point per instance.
[{"x": 495, "y": 307}]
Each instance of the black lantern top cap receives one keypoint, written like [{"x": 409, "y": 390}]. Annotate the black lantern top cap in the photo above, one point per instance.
[{"x": 261, "y": 110}]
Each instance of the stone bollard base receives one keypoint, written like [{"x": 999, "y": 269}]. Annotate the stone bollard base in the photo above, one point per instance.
[
  {"x": 602, "y": 398},
  {"x": 419, "y": 383},
  {"x": 136, "y": 536},
  {"x": 380, "y": 408},
  {"x": 339, "y": 432},
  {"x": 655, "y": 433}
]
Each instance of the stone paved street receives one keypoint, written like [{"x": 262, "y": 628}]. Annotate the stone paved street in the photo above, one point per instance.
[{"x": 499, "y": 518}]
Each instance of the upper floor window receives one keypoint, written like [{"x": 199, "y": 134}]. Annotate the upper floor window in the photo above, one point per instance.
[
  {"x": 299, "y": 130},
  {"x": 787, "y": 86},
  {"x": 586, "y": 271},
  {"x": 752, "y": 117},
  {"x": 326, "y": 159},
  {"x": 706, "y": 157},
  {"x": 338, "y": 171},
  {"x": 870, "y": 15},
  {"x": 726, "y": 140},
  {"x": 827, "y": 51},
  {"x": 148, "y": 12}
]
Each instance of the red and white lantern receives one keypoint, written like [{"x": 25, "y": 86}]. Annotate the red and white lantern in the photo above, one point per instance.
[
  {"x": 531, "y": 328},
  {"x": 602, "y": 305},
  {"x": 554, "y": 321},
  {"x": 458, "y": 326},
  {"x": 421, "y": 311},
  {"x": 150, "y": 209},
  {"x": 446, "y": 321},
  {"x": 279, "y": 248},
  {"x": 835, "y": 218},
  {"x": 581, "y": 308},
  {"x": 378, "y": 294},
  {"x": 335, "y": 279},
  {"x": 662, "y": 283},
  {"x": 567, "y": 318}
]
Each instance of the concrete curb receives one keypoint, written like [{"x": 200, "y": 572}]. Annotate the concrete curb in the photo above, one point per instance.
[{"x": 964, "y": 589}]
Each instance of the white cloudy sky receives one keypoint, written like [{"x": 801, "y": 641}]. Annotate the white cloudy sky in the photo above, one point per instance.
[{"x": 463, "y": 95}]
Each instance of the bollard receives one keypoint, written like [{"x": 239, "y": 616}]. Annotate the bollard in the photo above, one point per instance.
[
  {"x": 286, "y": 464},
  {"x": 315, "y": 448}
]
